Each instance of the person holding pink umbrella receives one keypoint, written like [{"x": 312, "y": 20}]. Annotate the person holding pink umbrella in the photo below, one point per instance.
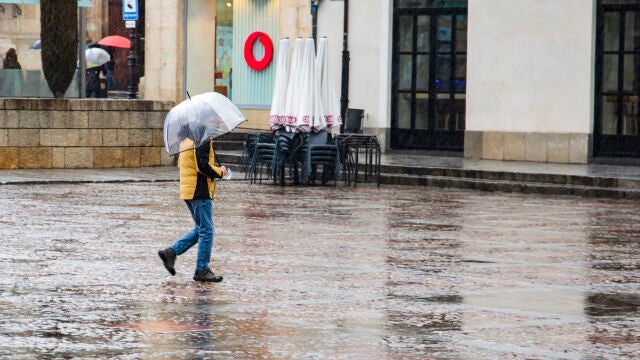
[{"x": 109, "y": 43}]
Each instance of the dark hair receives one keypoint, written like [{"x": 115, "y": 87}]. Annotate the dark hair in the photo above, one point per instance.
[
  {"x": 184, "y": 132},
  {"x": 194, "y": 133},
  {"x": 198, "y": 133},
  {"x": 11, "y": 60}
]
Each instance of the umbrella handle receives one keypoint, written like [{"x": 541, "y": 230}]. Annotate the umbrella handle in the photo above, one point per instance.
[{"x": 216, "y": 160}]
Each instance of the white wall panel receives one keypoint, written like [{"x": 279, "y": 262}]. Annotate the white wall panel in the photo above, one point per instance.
[{"x": 530, "y": 66}]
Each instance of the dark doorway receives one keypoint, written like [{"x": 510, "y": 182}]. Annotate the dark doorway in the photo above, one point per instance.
[
  {"x": 117, "y": 27},
  {"x": 617, "y": 119},
  {"x": 429, "y": 77}
]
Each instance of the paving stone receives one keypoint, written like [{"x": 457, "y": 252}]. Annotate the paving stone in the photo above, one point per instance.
[{"x": 389, "y": 272}]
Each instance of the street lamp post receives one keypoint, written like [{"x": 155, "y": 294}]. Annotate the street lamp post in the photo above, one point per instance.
[
  {"x": 132, "y": 60},
  {"x": 314, "y": 19},
  {"x": 130, "y": 16},
  {"x": 344, "y": 89}
]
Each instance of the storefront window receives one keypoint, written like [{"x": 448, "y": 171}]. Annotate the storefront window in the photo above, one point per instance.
[
  {"x": 224, "y": 45},
  {"x": 430, "y": 4},
  {"x": 619, "y": 2},
  {"x": 617, "y": 122},
  {"x": 429, "y": 72}
]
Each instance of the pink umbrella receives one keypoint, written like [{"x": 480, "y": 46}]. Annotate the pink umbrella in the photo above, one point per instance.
[{"x": 115, "y": 41}]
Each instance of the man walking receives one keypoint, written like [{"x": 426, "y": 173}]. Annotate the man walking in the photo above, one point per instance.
[{"x": 197, "y": 186}]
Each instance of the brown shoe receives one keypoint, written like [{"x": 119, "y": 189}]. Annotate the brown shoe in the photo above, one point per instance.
[
  {"x": 206, "y": 275},
  {"x": 168, "y": 257}
]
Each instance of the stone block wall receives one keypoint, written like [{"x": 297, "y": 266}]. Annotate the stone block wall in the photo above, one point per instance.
[
  {"x": 537, "y": 147},
  {"x": 82, "y": 133}
]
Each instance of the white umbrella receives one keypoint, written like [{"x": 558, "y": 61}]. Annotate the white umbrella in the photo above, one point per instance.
[
  {"x": 197, "y": 119},
  {"x": 309, "y": 107},
  {"x": 277, "y": 117},
  {"x": 330, "y": 102},
  {"x": 37, "y": 45},
  {"x": 293, "y": 85},
  {"x": 96, "y": 56}
]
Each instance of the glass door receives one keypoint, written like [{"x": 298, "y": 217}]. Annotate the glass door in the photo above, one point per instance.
[
  {"x": 617, "y": 119},
  {"x": 429, "y": 79}
]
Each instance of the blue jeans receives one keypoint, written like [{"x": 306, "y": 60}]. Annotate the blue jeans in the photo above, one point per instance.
[{"x": 202, "y": 232}]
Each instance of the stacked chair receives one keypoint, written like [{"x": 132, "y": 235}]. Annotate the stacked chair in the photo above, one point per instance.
[
  {"x": 288, "y": 155},
  {"x": 296, "y": 158},
  {"x": 356, "y": 147},
  {"x": 249, "y": 147},
  {"x": 320, "y": 150},
  {"x": 261, "y": 150}
]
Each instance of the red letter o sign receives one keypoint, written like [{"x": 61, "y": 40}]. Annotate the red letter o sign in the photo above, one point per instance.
[{"x": 248, "y": 50}]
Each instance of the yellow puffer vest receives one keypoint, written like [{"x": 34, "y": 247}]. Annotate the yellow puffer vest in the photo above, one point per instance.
[{"x": 196, "y": 182}]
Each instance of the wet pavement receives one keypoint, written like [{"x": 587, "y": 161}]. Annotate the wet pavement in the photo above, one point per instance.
[{"x": 394, "y": 272}]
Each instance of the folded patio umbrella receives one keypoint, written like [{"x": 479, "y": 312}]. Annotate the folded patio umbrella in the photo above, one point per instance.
[
  {"x": 328, "y": 96},
  {"x": 309, "y": 114},
  {"x": 277, "y": 118},
  {"x": 293, "y": 85}
]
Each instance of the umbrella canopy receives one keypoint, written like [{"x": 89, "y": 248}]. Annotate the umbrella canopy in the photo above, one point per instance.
[
  {"x": 277, "y": 118},
  {"x": 309, "y": 114},
  {"x": 293, "y": 85},
  {"x": 115, "y": 41},
  {"x": 199, "y": 119},
  {"x": 328, "y": 97},
  {"x": 96, "y": 56}
]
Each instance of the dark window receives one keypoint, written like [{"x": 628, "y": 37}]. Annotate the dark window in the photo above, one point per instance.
[
  {"x": 429, "y": 75},
  {"x": 430, "y": 4},
  {"x": 617, "y": 117}
]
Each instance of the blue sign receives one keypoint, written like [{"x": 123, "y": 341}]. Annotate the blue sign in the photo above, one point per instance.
[{"x": 129, "y": 10}]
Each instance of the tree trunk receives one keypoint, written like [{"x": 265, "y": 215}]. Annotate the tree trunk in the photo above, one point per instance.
[{"x": 59, "y": 38}]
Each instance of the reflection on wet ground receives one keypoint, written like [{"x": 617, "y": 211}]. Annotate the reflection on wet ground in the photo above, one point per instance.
[{"x": 340, "y": 273}]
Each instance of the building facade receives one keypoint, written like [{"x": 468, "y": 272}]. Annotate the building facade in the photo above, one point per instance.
[
  {"x": 536, "y": 80},
  {"x": 543, "y": 80}
]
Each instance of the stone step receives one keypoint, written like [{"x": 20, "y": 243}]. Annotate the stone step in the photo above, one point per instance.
[
  {"x": 514, "y": 176},
  {"x": 240, "y": 134},
  {"x": 510, "y": 186},
  {"x": 502, "y": 181},
  {"x": 231, "y": 158},
  {"x": 228, "y": 145},
  {"x": 234, "y": 140}
]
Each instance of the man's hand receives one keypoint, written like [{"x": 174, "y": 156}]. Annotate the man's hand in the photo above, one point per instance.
[{"x": 224, "y": 170}]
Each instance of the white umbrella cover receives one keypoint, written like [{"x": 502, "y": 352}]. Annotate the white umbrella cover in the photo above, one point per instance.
[
  {"x": 199, "y": 119},
  {"x": 330, "y": 102},
  {"x": 293, "y": 85},
  {"x": 309, "y": 110},
  {"x": 277, "y": 118}
]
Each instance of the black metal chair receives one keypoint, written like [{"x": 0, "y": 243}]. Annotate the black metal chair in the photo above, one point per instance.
[
  {"x": 320, "y": 150},
  {"x": 249, "y": 147},
  {"x": 353, "y": 121},
  {"x": 360, "y": 151},
  {"x": 287, "y": 152},
  {"x": 262, "y": 161}
]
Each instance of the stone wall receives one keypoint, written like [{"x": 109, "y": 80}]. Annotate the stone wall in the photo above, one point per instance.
[
  {"x": 538, "y": 147},
  {"x": 82, "y": 133}
]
